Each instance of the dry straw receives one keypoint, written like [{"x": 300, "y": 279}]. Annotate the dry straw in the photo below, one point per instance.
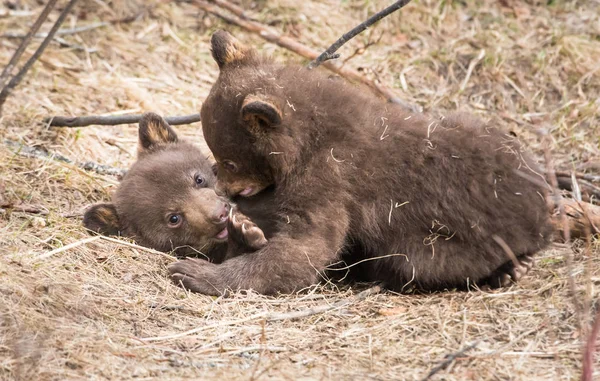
[{"x": 83, "y": 311}]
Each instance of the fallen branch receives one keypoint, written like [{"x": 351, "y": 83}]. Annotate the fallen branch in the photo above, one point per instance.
[
  {"x": 11, "y": 13},
  {"x": 582, "y": 218},
  {"x": 296, "y": 47},
  {"x": 579, "y": 175},
  {"x": 113, "y": 120},
  {"x": 272, "y": 317},
  {"x": 26, "y": 40},
  {"x": 449, "y": 359},
  {"x": 17, "y": 78},
  {"x": 586, "y": 188},
  {"x": 24, "y": 208},
  {"x": 101, "y": 169},
  {"x": 78, "y": 29},
  {"x": 61, "y": 32},
  {"x": 330, "y": 52}
]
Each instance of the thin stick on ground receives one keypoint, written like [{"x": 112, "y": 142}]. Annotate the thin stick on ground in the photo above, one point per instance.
[
  {"x": 113, "y": 120},
  {"x": 100, "y": 169},
  {"x": 17, "y": 78},
  {"x": 79, "y": 29},
  {"x": 579, "y": 175},
  {"x": 26, "y": 40},
  {"x": 66, "y": 247},
  {"x": 330, "y": 52},
  {"x": 298, "y": 48},
  {"x": 448, "y": 359},
  {"x": 62, "y": 32},
  {"x": 274, "y": 317}
]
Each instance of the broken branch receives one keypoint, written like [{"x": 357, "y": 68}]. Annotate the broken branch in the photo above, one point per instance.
[
  {"x": 17, "y": 78},
  {"x": 114, "y": 120},
  {"x": 330, "y": 52},
  {"x": 100, "y": 169},
  {"x": 270, "y": 35},
  {"x": 26, "y": 40},
  {"x": 448, "y": 359}
]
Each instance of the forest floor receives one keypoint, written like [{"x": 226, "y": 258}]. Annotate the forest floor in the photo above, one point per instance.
[{"x": 106, "y": 310}]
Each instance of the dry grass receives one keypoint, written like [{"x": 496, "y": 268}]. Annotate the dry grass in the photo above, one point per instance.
[{"x": 83, "y": 313}]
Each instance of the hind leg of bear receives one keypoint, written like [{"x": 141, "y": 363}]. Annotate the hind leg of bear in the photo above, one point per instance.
[{"x": 509, "y": 273}]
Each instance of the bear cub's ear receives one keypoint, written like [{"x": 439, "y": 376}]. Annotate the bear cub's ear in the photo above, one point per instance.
[
  {"x": 260, "y": 113},
  {"x": 227, "y": 49},
  {"x": 102, "y": 219},
  {"x": 154, "y": 132}
]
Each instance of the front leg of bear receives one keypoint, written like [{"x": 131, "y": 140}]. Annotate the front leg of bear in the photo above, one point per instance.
[{"x": 290, "y": 261}]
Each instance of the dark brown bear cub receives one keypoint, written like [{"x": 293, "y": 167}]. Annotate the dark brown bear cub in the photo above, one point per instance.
[
  {"x": 416, "y": 201},
  {"x": 166, "y": 201}
]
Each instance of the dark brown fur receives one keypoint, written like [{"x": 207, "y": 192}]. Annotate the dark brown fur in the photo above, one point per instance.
[
  {"x": 164, "y": 182},
  {"x": 355, "y": 178}
]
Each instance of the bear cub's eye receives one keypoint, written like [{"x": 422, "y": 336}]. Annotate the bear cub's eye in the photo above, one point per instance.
[
  {"x": 175, "y": 220},
  {"x": 199, "y": 179},
  {"x": 229, "y": 165}
]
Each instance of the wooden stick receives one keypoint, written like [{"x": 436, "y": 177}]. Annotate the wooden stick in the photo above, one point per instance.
[
  {"x": 582, "y": 216},
  {"x": 62, "y": 32},
  {"x": 26, "y": 40},
  {"x": 26, "y": 151},
  {"x": 330, "y": 52},
  {"x": 298, "y": 48},
  {"x": 579, "y": 175},
  {"x": 448, "y": 359},
  {"x": 17, "y": 78},
  {"x": 587, "y": 188},
  {"x": 113, "y": 120},
  {"x": 590, "y": 349}
]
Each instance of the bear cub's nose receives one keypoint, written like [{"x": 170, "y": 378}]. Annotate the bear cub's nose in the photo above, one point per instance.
[{"x": 222, "y": 212}]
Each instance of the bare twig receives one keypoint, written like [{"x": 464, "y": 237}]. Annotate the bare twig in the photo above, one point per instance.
[
  {"x": 330, "y": 52},
  {"x": 62, "y": 32},
  {"x": 101, "y": 169},
  {"x": 586, "y": 188},
  {"x": 298, "y": 48},
  {"x": 66, "y": 247},
  {"x": 17, "y": 78},
  {"x": 24, "y": 208},
  {"x": 11, "y": 13},
  {"x": 113, "y": 120},
  {"x": 26, "y": 40},
  {"x": 583, "y": 217},
  {"x": 448, "y": 359},
  {"x": 79, "y": 29},
  {"x": 579, "y": 175}
]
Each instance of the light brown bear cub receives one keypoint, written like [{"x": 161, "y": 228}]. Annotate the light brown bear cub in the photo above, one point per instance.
[
  {"x": 401, "y": 197},
  {"x": 166, "y": 201}
]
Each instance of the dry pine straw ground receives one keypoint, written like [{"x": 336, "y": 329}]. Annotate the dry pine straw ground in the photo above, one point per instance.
[{"x": 83, "y": 313}]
